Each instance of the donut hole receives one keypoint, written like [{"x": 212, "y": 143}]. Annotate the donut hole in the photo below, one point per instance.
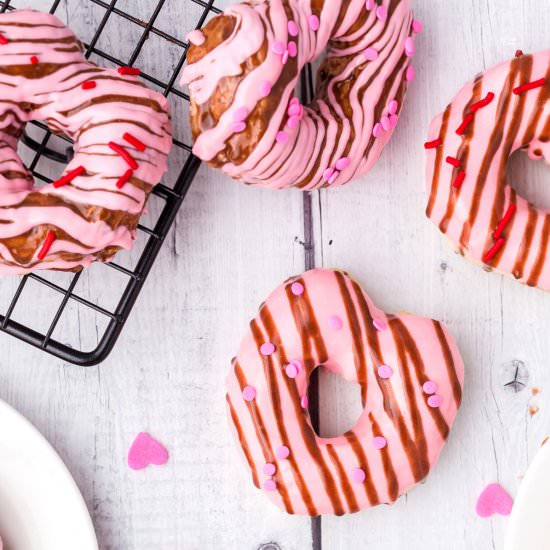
[
  {"x": 339, "y": 406},
  {"x": 530, "y": 179}
]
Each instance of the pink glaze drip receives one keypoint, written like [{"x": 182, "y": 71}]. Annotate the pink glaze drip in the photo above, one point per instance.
[
  {"x": 60, "y": 99},
  {"x": 371, "y": 41},
  {"x": 398, "y": 437}
]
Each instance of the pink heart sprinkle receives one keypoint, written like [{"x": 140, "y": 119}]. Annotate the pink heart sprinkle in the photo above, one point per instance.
[
  {"x": 297, "y": 289},
  {"x": 382, "y": 13},
  {"x": 294, "y": 109},
  {"x": 278, "y": 47},
  {"x": 240, "y": 114},
  {"x": 409, "y": 46},
  {"x": 494, "y": 500},
  {"x": 343, "y": 163},
  {"x": 293, "y": 122},
  {"x": 379, "y": 325},
  {"x": 385, "y": 121},
  {"x": 394, "y": 119},
  {"x": 410, "y": 74},
  {"x": 334, "y": 177},
  {"x": 417, "y": 26},
  {"x": 327, "y": 174},
  {"x": 282, "y": 137},
  {"x": 304, "y": 402},
  {"x": 265, "y": 88},
  {"x": 377, "y": 131},
  {"x": 146, "y": 451},
  {"x": 393, "y": 106},
  {"x": 294, "y": 101},
  {"x": 314, "y": 23},
  {"x": 370, "y": 54},
  {"x": 293, "y": 29},
  {"x": 369, "y": 4},
  {"x": 285, "y": 57},
  {"x": 358, "y": 475}
]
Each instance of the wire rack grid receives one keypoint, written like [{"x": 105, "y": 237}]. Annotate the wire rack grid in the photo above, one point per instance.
[{"x": 171, "y": 196}]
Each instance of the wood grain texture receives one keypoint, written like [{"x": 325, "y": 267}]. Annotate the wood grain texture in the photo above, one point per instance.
[{"x": 230, "y": 247}]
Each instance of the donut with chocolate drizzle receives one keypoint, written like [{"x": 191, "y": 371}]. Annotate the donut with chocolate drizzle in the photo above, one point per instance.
[
  {"x": 471, "y": 200},
  {"x": 411, "y": 376},
  {"x": 243, "y": 69},
  {"x": 122, "y": 136}
]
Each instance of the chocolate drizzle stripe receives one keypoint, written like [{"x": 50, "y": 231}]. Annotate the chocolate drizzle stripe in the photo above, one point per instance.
[
  {"x": 449, "y": 361},
  {"x": 363, "y": 462},
  {"x": 347, "y": 489},
  {"x": 541, "y": 257},
  {"x": 242, "y": 441},
  {"x": 525, "y": 247}
]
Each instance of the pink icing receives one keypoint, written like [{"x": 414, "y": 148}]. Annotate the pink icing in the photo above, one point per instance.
[
  {"x": 281, "y": 403},
  {"x": 293, "y": 28},
  {"x": 196, "y": 37},
  {"x": 60, "y": 99},
  {"x": 325, "y": 134}
]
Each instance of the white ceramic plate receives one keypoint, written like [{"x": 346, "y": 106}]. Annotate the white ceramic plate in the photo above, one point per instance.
[
  {"x": 529, "y": 526},
  {"x": 41, "y": 507}
]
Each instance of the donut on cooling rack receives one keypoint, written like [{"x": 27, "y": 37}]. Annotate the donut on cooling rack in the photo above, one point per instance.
[
  {"x": 242, "y": 71},
  {"x": 471, "y": 200},
  {"x": 122, "y": 136},
  {"x": 410, "y": 373}
]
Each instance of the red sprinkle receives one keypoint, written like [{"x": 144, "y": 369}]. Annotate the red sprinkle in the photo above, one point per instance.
[
  {"x": 453, "y": 161},
  {"x": 48, "y": 241},
  {"x": 530, "y": 86},
  {"x": 68, "y": 177},
  {"x": 505, "y": 221},
  {"x": 119, "y": 150},
  {"x": 483, "y": 103},
  {"x": 131, "y": 71},
  {"x": 494, "y": 250},
  {"x": 457, "y": 184},
  {"x": 34, "y": 60},
  {"x": 433, "y": 144},
  {"x": 124, "y": 178},
  {"x": 3, "y": 40},
  {"x": 89, "y": 85},
  {"x": 519, "y": 53},
  {"x": 140, "y": 146},
  {"x": 468, "y": 119}
]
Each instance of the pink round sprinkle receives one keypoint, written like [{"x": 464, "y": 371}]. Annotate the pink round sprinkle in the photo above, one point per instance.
[
  {"x": 379, "y": 325},
  {"x": 294, "y": 101},
  {"x": 293, "y": 29},
  {"x": 249, "y": 393},
  {"x": 394, "y": 119},
  {"x": 334, "y": 177},
  {"x": 377, "y": 131},
  {"x": 237, "y": 127},
  {"x": 327, "y": 174},
  {"x": 283, "y": 452},
  {"x": 385, "y": 371},
  {"x": 393, "y": 106},
  {"x": 382, "y": 13},
  {"x": 343, "y": 163},
  {"x": 385, "y": 121},
  {"x": 409, "y": 46},
  {"x": 291, "y": 371},
  {"x": 196, "y": 38},
  {"x": 410, "y": 74},
  {"x": 240, "y": 114},
  {"x": 369, "y": 4},
  {"x": 304, "y": 402},
  {"x": 417, "y": 26},
  {"x": 267, "y": 348},
  {"x": 293, "y": 122},
  {"x": 282, "y": 137},
  {"x": 285, "y": 57},
  {"x": 278, "y": 47},
  {"x": 434, "y": 401},
  {"x": 370, "y": 54},
  {"x": 269, "y": 469},
  {"x": 335, "y": 323},
  {"x": 270, "y": 485},
  {"x": 358, "y": 475},
  {"x": 297, "y": 289},
  {"x": 265, "y": 88},
  {"x": 379, "y": 442},
  {"x": 294, "y": 109},
  {"x": 429, "y": 387},
  {"x": 314, "y": 23}
]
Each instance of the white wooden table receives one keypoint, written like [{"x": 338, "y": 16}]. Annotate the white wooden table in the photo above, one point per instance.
[{"x": 230, "y": 247}]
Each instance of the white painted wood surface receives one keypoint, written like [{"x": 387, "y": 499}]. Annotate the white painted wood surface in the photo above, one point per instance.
[{"x": 230, "y": 247}]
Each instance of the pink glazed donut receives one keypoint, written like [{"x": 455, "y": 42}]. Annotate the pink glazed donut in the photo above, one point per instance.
[
  {"x": 122, "y": 134},
  {"x": 411, "y": 377},
  {"x": 244, "y": 66},
  {"x": 471, "y": 200}
]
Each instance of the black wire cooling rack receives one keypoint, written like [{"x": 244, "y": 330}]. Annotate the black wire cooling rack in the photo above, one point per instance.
[{"x": 171, "y": 196}]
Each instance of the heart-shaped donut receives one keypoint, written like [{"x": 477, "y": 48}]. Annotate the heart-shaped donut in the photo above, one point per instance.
[
  {"x": 503, "y": 110},
  {"x": 411, "y": 377}
]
